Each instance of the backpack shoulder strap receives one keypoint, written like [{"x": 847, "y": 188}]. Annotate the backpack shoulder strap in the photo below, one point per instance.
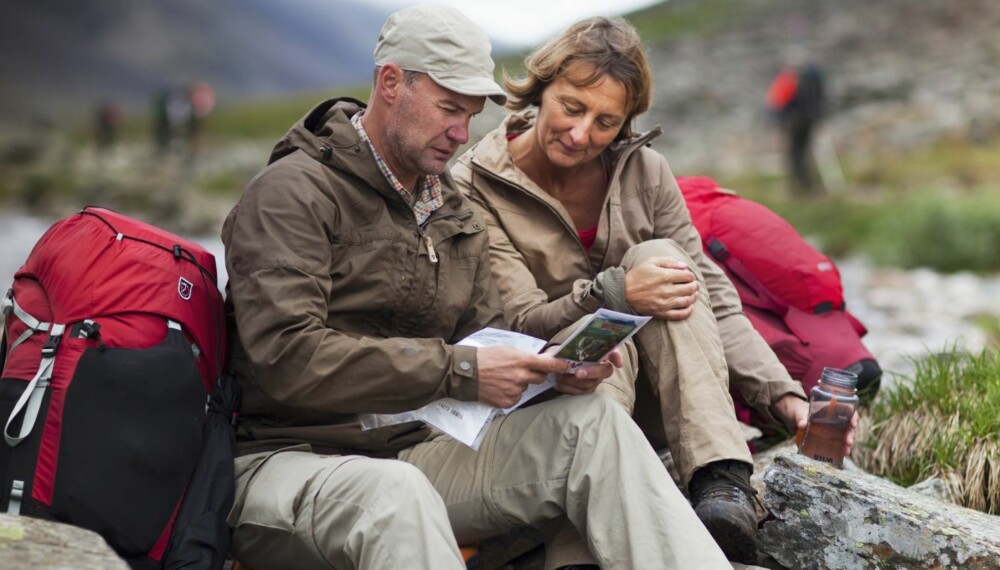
[
  {"x": 3, "y": 349},
  {"x": 765, "y": 299}
]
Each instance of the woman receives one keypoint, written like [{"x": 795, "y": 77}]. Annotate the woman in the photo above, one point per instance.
[{"x": 583, "y": 215}]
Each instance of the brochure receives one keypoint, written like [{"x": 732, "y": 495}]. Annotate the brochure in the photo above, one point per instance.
[
  {"x": 467, "y": 421},
  {"x": 603, "y": 332}
]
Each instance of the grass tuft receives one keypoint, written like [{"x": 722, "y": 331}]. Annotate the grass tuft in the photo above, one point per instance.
[{"x": 945, "y": 423}]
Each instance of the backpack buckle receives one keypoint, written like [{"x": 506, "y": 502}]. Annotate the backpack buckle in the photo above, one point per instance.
[
  {"x": 51, "y": 344},
  {"x": 8, "y": 302},
  {"x": 87, "y": 329},
  {"x": 718, "y": 250}
]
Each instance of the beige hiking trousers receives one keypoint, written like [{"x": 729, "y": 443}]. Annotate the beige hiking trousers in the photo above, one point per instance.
[
  {"x": 581, "y": 457},
  {"x": 296, "y": 510},
  {"x": 680, "y": 398},
  {"x": 682, "y": 388}
]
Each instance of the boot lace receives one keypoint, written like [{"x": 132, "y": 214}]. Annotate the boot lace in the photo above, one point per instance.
[{"x": 736, "y": 493}]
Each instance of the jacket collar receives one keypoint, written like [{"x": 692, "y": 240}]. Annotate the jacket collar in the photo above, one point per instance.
[{"x": 327, "y": 136}]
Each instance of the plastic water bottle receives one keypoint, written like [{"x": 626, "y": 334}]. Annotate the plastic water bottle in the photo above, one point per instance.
[{"x": 832, "y": 403}]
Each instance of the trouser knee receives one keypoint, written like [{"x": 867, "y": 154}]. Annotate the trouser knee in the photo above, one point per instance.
[
  {"x": 620, "y": 386},
  {"x": 397, "y": 485},
  {"x": 594, "y": 414},
  {"x": 658, "y": 248}
]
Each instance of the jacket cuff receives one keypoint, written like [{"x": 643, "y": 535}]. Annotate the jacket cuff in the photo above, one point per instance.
[
  {"x": 464, "y": 384},
  {"x": 777, "y": 391},
  {"x": 609, "y": 287}
]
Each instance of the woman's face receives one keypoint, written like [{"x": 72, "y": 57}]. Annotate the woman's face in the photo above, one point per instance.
[{"x": 575, "y": 124}]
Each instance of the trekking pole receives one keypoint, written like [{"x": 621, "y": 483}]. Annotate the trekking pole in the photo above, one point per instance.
[{"x": 825, "y": 157}]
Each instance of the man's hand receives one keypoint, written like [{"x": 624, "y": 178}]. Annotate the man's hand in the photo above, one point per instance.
[
  {"x": 586, "y": 378},
  {"x": 505, "y": 373},
  {"x": 794, "y": 411},
  {"x": 663, "y": 288}
]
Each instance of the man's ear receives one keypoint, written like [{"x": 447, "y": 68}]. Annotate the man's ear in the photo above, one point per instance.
[{"x": 389, "y": 81}]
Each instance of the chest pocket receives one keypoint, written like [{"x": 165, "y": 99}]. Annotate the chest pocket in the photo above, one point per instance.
[
  {"x": 445, "y": 290},
  {"x": 370, "y": 270}
]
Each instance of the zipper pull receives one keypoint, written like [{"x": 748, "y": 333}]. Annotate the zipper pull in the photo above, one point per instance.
[{"x": 430, "y": 249}]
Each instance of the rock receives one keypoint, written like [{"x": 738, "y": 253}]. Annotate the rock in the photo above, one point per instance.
[
  {"x": 827, "y": 518},
  {"x": 27, "y": 543},
  {"x": 933, "y": 487},
  {"x": 761, "y": 463}
]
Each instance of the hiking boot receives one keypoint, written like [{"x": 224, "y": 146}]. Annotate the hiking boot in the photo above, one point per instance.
[{"x": 721, "y": 496}]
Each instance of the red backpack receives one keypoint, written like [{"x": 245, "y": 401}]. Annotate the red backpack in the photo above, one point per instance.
[
  {"x": 791, "y": 292},
  {"x": 114, "y": 338}
]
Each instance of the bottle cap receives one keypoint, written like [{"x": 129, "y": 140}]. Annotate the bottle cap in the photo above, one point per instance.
[{"x": 840, "y": 378}]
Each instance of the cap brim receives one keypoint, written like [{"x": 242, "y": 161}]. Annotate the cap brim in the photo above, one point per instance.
[{"x": 473, "y": 86}]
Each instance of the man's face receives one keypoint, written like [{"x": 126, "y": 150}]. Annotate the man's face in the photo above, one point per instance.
[{"x": 426, "y": 126}]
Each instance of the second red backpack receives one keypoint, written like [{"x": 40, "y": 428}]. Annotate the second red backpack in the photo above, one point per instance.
[{"x": 790, "y": 291}]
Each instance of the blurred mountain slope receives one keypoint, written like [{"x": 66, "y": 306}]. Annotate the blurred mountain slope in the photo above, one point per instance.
[
  {"x": 57, "y": 56},
  {"x": 901, "y": 74}
]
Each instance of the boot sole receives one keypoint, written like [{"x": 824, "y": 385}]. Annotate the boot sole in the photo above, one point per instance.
[{"x": 733, "y": 541}]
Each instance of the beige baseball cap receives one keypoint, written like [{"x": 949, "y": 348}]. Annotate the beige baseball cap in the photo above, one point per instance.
[{"x": 443, "y": 43}]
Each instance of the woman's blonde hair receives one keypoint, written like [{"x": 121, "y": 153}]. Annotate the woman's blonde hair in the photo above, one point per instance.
[{"x": 604, "y": 47}]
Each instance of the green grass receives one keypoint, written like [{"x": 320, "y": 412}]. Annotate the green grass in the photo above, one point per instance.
[
  {"x": 270, "y": 118},
  {"x": 945, "y": 423},
  {"x": 947, "y": 232},
  {"x": 262, "y": 118},
  {"x": 937, "y": 208},
  {"x": 670, "y": 20}
]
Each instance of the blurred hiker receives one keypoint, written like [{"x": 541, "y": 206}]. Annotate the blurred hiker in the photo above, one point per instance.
[
  {"x": 796, "y": 97},
  {"x": 201, "y": 101},
  {"x": 172, "y": 113},
  {"x": 110, "y": 118}
]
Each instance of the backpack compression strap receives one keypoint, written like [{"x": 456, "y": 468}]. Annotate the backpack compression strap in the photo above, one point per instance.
[
  {"x": 31, "y": 400},
  {"x": 9, "y": 305}
]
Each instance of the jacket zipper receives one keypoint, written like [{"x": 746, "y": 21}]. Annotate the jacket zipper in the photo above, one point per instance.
[
  {"x": 430, "y": 247},
  {"x": 428, "y": 242}
]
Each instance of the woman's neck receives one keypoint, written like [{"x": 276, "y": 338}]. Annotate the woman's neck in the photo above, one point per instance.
[
  {"x": 530, "y": 158},
  {"x": 581, "y": 189}
]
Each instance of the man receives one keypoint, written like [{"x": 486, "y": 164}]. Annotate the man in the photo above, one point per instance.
[{"x": 355, "y": 267}]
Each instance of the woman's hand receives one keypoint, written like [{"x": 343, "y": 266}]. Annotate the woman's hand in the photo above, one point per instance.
[
  {"x": 794, "y": 412},
  {"x": 663, "y": 288},
  {"x": 584, "y": 380}
]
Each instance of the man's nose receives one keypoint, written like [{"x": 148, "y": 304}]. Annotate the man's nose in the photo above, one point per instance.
[{"x": 459, "y": 132}]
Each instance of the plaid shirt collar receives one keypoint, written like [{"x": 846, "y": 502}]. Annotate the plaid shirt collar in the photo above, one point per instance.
[{"x": 428, "y": 196}]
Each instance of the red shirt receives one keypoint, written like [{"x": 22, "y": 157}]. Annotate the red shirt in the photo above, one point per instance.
[{"x": 586, "y": 236}]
